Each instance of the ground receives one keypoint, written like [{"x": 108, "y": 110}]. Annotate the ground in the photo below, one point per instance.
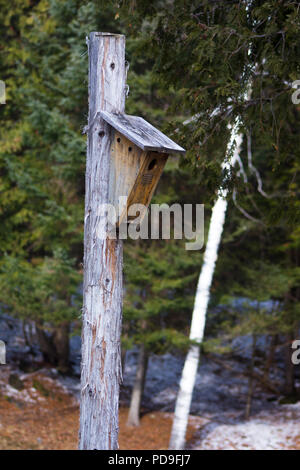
[
  {"x": 37, "y": 411},
  {"x": 42, "y": 414},
  {"x": 40, "y": 410},
  {"x": 273, "y": 430}
]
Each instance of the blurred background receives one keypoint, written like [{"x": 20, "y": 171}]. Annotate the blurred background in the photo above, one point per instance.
[{"x": 189, "y": 65}]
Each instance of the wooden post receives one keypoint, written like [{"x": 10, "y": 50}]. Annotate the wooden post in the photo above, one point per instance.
[{"x": 102, "y": 293}]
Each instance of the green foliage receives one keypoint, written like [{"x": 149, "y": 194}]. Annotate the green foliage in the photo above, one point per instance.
[
  {"x": 46, "y": 288},
  {"x": 42, "y": 167},
  {"x": 187, "y": 62},
  {"x": 42, "y": 158},
  {"x": 160, "y": 281},
  {"x": 206, "y": 54}
]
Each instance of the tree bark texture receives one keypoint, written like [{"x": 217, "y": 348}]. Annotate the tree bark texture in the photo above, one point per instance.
[{"x": 102, "y": 291}]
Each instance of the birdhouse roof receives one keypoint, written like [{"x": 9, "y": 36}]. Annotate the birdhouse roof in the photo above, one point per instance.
[{"x": 141, "y": 133}]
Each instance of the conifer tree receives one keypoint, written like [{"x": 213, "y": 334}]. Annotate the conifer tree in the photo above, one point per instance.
[{"x": 208, "y": 53}]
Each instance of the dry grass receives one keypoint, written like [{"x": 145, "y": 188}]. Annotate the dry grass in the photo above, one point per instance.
[{"x": 50, "y": 421}]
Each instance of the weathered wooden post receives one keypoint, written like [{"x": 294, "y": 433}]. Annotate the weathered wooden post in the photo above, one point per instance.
[
  {"x": 102, "y": 291},
  {"x": 125, "y": 158}
]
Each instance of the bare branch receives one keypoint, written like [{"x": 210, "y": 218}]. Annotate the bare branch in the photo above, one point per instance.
[
  {"x": 241, "y": 170},
  {"x": 245, "y": 213},
  {"x": 253, "y": 169}
]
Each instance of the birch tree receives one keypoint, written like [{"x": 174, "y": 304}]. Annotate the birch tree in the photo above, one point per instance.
[{"x": 187, "y": 382}]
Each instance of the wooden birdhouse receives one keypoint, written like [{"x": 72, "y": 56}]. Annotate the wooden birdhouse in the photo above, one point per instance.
[{"x": 139, "y": 153}]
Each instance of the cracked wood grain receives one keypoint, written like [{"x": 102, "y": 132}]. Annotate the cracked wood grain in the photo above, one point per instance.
[{"x": 102, "y": 292}]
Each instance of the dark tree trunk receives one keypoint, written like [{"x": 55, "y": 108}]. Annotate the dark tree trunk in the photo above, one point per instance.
[
  {"x": 46, "y": 345},
  {"x": 138, "y": 388},
  {"x": 125, "y": 331},
  {"x": 123, "y": 359},
  {"x": 270, "y": 356},
  {"x": 27, "y": 342},
  {"x": 251, "y": 380},
  {"x": 62, "y": 346},
  {"x": 55, "y": 347}
]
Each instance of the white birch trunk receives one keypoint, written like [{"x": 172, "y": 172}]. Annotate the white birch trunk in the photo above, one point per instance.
[
  {"x": 187, "y": 382},
  {"x": 102, "y": 293}
]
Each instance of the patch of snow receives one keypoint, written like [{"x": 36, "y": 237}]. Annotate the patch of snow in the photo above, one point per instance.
[
  {"x": 18, "y": 395},
  {"x": 276, "y": 430}
]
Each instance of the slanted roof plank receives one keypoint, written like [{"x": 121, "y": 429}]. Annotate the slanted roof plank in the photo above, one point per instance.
[{"x": 141, "y": 133}]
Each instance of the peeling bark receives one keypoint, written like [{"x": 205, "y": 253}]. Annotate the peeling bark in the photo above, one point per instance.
[{"x": 102, "y": 291}]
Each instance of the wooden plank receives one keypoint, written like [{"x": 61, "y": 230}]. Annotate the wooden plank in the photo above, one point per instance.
[
  {"x": 102, "y": 288},
  {"x": 126, "y": 160},
  {"x": 145, "y": 184},
  {"x": 141, "y": 133}
]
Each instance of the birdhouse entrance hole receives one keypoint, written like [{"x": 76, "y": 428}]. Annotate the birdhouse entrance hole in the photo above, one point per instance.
[{"x": 152, "y": 164}]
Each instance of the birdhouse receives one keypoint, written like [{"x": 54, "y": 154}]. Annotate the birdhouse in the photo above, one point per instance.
[{"x": 139, "y": 153}]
